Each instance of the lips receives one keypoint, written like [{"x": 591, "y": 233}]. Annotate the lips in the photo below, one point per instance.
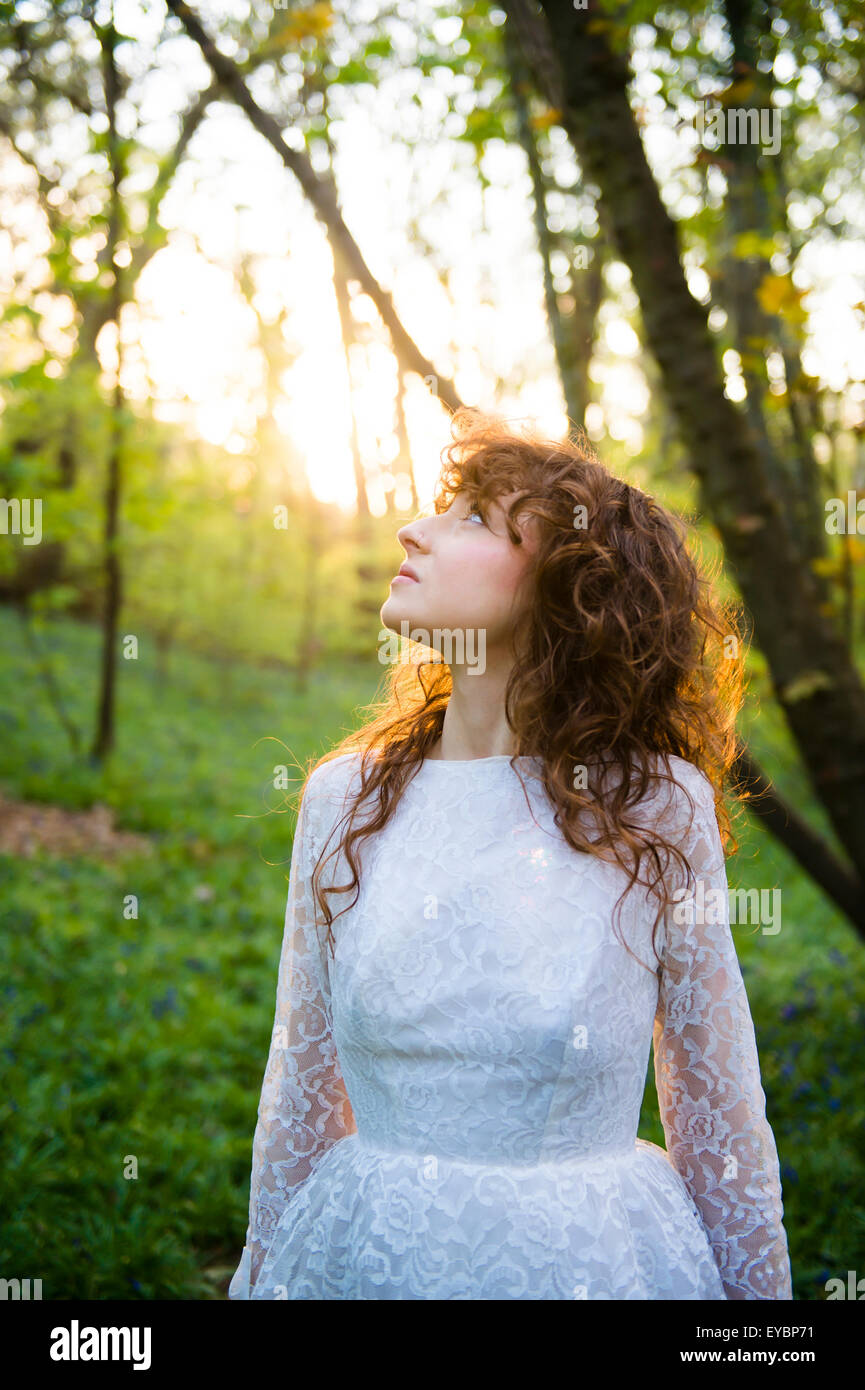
[{"x": 407, "y": 572}]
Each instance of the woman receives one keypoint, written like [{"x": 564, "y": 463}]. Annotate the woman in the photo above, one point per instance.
[{"x": 451, "y": 1100}]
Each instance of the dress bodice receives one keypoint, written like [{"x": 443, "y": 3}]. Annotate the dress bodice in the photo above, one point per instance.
[{"x": 481, "y": 1006}]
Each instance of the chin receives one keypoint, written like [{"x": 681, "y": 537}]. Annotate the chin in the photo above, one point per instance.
[{"x": 392, "y": 613}]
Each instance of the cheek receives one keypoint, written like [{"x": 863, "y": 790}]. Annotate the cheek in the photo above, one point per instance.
[{"x": 497, "y": 580}]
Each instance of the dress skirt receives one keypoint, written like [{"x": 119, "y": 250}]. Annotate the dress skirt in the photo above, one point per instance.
[{"x": 373, "y": 1223}]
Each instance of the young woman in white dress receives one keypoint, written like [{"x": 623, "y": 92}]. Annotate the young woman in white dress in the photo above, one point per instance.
[{"x": 533, "y": 828}]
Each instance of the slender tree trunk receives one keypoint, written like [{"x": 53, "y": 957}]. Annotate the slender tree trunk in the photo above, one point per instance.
[
  {"x": 346, "y": 324},
  {"x": 753, "y": 205},
  {"x": 105, "y": 727},
  {"x": 563, "y": 343},
  {"x": 587, "y": 292},
  {"x": 404, "y": 442}
]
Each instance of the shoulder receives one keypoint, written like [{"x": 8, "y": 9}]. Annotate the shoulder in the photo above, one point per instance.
[
  {"x": 680, "y": 797},
  {"x": 690, "y": 781},
  {"x": 328, "y": 785},
  {"x": 331, "y": 774},
  {"x": 322, "y": 798}
]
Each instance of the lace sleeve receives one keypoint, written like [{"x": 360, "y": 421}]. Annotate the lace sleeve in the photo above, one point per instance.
[
  {"x": 304, "y": 1107},
  {"x": 713, "y": 1107}
]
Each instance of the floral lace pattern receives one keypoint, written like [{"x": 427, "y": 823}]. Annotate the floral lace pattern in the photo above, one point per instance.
[{"x": 451, "y": 1101}]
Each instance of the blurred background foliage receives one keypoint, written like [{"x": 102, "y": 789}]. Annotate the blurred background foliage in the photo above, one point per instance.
[{"x": 250, "y": 561}]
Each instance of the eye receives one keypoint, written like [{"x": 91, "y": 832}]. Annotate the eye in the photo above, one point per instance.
[{"x": 473, "y": 510}]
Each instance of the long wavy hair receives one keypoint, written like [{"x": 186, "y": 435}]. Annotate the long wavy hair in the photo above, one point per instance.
[{"x": 626, "y": 657}]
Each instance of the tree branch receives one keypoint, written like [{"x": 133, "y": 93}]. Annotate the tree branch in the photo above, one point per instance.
[
  {"x": 809, "y": 850},
  {"x": 323, "y": 201}
]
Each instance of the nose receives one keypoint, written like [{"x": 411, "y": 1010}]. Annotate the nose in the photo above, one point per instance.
[{"x": 410, "y": 534}]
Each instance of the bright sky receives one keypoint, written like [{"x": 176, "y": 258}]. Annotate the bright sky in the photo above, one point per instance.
[{"x": 190, "y": 346}]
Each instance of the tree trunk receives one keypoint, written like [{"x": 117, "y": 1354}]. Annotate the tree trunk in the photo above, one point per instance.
[
  {"x": 574, "y": 391},
  {"x": 404, "y": 442},
  {"x": 343, "y": 304},
  {"x": 755, "y": 206},
  {"x": 104, "y": 739},
  {"x": 816, "y": 684}
]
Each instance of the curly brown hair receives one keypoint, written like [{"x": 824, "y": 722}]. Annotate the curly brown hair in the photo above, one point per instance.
[{"x": 625, "y": 658}]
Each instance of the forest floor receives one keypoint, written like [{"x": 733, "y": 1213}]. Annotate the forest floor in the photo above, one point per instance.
[
  {"x": 28, "y": 826},
  {"x": 141, "y": 927}
]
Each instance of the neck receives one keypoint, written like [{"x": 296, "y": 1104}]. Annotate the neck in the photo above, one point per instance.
[{"x": 474, "y": 723}]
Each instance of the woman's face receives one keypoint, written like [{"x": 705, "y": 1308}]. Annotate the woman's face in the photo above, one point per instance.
[{"x": 468, "y": 573}]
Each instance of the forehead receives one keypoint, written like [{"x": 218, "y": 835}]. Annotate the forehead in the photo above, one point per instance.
[{"x": 499, "y": 503}]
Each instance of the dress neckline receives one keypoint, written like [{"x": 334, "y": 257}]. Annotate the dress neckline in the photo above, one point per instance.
[{"x": 496, "y": 759}]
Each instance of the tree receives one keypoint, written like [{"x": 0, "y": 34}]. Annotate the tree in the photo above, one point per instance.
[{"x": 586, "y": 78}]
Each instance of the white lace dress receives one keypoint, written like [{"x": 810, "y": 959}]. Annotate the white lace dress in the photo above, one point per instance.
[{"x": 450, "y": 1105}]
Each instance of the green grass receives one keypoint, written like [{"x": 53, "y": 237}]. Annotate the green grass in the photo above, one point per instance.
[{"x": 134, "y": 1047}]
